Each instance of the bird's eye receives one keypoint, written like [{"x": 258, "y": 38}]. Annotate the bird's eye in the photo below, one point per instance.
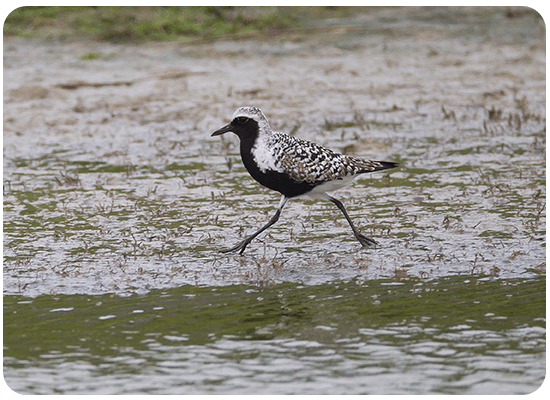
[{"x": 241, "y": 120}]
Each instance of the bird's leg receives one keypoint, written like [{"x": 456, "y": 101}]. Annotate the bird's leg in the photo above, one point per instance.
[
  {"x": 365, "y": 241},
  {"x": 242, "y": 245}
]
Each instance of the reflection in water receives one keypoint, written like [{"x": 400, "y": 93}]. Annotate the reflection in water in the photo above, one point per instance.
[{"x": 446, "y": 336}]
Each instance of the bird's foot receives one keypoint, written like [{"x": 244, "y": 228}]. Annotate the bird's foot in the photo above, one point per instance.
[
  {"x": 365, "y": 241},
  {"x": 239, "y": 247}
]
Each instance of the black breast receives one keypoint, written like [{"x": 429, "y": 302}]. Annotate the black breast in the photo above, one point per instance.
[{"x": 274, "y": 180}]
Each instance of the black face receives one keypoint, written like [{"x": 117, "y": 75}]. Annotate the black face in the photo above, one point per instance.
[
  {"x": 243, "y": 127},
  {"x": 240, "y": 120}
]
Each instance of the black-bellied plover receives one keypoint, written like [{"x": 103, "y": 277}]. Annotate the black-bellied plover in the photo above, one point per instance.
[{"x": 293, "y": 166}]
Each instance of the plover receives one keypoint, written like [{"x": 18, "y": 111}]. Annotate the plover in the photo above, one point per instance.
[{"x": 293, "y": 166}]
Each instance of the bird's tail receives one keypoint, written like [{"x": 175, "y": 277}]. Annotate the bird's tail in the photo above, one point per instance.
[{"x": 382, "y": 165}]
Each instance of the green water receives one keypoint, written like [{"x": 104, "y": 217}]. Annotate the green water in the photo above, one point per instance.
[{"x": 452, "y": 335}]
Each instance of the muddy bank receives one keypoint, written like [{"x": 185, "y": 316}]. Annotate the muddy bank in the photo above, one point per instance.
[{"x": 112, "y": 182}]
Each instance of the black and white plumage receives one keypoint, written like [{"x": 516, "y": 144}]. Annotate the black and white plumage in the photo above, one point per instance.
[{"x": 293, "y": 166}]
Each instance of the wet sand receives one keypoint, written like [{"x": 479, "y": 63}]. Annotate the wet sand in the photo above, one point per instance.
[{"x": 112, "y": 182}]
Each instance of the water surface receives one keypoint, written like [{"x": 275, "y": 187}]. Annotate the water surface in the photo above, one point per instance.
[
  {"x": 117, "y": 200},
  {"x": 452, "y": 335}
]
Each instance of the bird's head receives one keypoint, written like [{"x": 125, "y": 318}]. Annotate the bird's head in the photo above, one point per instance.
[{"x": 246, "y": 122}]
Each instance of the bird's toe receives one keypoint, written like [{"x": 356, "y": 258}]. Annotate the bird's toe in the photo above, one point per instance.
[{"x": 366, "y": 241}]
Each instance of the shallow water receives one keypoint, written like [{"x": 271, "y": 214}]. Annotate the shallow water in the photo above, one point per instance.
[
  {"x": 119, "y": 189},
  {"x": 453, "y": 335}
]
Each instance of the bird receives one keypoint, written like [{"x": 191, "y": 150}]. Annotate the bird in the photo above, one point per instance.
[{"x": 294, "y": 167}]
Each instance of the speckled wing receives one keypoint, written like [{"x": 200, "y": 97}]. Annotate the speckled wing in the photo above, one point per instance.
[{"x": 309, "y": 162}]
